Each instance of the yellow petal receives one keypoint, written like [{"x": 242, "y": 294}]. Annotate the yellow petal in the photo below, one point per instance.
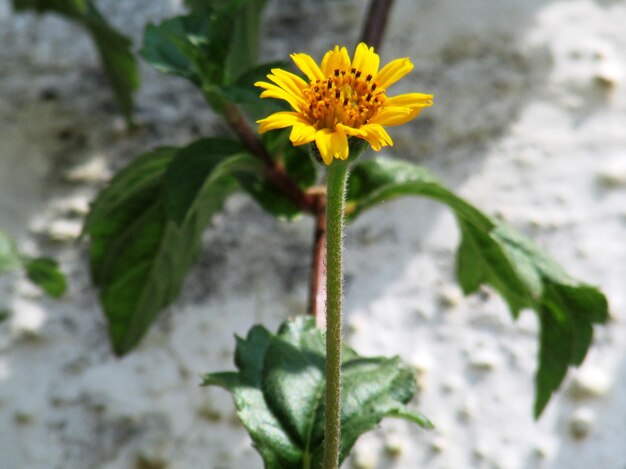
[
  {"x": 376, "y": 135},
  {"x": 308, "y": 66},
  {"x": 392, "y": 72},
  {"x": 288, "y": 81},
  {"x": 392, "y": 116},
  {"x": 273, "y": 91},
  {"x": 365, "y": 60},
  {"x": 411, "y": 100},
  {"x": 331, "y": 144},
  {"x": 280, "y": 120},
  {"x": 336, "y": 59},
  {"x": 302, "y": 133}
]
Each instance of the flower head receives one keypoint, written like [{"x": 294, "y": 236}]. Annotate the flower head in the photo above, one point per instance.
[{"x": 341, "y": 98}]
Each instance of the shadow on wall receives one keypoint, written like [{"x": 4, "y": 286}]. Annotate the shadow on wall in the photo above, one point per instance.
[{"x": 475, "y": 58}]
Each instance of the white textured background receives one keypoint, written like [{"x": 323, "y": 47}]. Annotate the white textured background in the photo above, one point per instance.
[{"x": 529, "y": 123}]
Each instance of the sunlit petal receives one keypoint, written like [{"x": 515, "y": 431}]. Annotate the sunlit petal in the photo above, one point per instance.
[
  {"x": 274, "y": 91},
  {"x": 392, "y": 72},
  {"x": 302, "y": 133},
  {"x": 410, "y": 100},
  {"x": 342, "y": 99},
  {"x": 365, "y": 60},
  {"x": 391, "y": 116},
  {"x": 308, "y": 66},
  {"x": 336, "y": 59},
  {"x": 288, "y": 81},
  {"x": 280, "y": 120},
  {"x": 376, "y": 136}
]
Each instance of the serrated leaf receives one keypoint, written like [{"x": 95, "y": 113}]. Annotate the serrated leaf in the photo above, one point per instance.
[
  {"x": 44, "y": 272},
  {"x": 494, "y": 254},
  {"x": 279, "y": 393},
  {"x": 114, "y": 48},
  {"x": 139, "y": 255}
]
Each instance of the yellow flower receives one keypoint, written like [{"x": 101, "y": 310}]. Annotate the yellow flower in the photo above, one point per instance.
[{"x": 342, "y": 98}]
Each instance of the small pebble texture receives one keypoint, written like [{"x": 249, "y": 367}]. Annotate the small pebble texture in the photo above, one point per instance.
[{"x": 529, "y": 124}]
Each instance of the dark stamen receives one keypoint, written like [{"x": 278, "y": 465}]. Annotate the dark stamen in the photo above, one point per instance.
[
  {"x": 353, "y": 70},
  {"x": 337, "y": 94},
  {"x": 368, "y": 97},
  {"x": 336, "y": 72},
  {"x": 368, "y": 78},
  {"x": 358, "y": 74},
  {"x": 345, "y": 101},
  {"x": 373, "y": 86}
]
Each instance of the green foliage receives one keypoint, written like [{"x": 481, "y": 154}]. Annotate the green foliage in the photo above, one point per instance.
[
  {"x": 300, "y": 168},
  {"x": 42, "y": 271},
  {"x": 199, "y": 165},
  {"x": 45, "y": 273},
  {"x": 244, "y": 18},
  {"x": 279, "y": 393},
  {"x": 193, "y": 46},
  {"x": 9, "y": 256},
  {"x": 492, "y": 253},
  {"x": 243, "y": 92},
  {"x": 144, "y": 238},
  {"x": 214, "y": 47},
  {"x": 146, "y": 228},
  {"x": 114, "y": 48}
]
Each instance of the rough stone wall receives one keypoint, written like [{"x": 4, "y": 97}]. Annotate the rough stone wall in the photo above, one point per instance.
[{"x": 529, "y": 123}]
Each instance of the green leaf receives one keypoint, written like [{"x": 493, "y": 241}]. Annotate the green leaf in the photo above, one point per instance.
[
  {"x": 246, "y": 38},
  {"x": 298, "y": 165},
  {"x": 279, "y": 393},
  {"x": 244, "y": 93},
  {"x": 193, "y": 46},
  {"x": 244, "y": 42},
  {"x": 492, "y": 253},
  {"x": 9, "y": 256},
  {"x": 146, "y": 230},
  {"x": 114, "y": 48},
  {"x": 44, "y": 272},
  {"x": 214, "y": 47},
  {"x": 296, "y": 160},
  {"x": 198, "y": 165}
]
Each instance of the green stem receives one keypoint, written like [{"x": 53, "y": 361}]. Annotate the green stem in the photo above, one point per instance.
[{"x": 337, "y": 176}]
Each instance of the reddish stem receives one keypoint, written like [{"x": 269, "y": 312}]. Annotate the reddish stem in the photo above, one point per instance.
[
  {"x": 274, "y": 173},
  {"x": 376, "y": 22}
]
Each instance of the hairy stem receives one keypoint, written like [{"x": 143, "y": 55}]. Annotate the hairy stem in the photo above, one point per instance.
[
  {"x": 337, "y": 177},
  {"x": 376, "y": 22}
]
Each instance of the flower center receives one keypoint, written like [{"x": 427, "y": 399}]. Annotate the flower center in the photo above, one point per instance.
[{"x": 346, "y": 97}]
